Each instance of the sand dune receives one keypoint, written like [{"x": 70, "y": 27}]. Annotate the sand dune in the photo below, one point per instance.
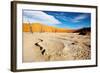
[
  {"x": 55, "y": 46},
  {"x": 38, "y": 27}
]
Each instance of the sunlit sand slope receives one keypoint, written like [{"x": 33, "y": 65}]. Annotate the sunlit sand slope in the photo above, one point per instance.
[{"x": 38, "y": 27}]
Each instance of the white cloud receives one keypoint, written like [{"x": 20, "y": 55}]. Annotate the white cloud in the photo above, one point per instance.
[
  {"x": 79, "y": 18},
  {"x": 39, "y": 16}
]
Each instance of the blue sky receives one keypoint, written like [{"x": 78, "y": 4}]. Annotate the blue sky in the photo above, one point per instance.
[{"x": 71, "y": 20}]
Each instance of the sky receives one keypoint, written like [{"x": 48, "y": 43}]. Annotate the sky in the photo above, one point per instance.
[{"x": 70, "y": 20}]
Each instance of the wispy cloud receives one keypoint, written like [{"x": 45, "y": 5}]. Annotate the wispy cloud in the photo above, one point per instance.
[
  {"x": 39, "y": 16},
  {"x": 79, "y": 18}
]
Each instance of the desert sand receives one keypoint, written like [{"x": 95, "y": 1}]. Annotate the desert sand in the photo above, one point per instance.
[{"x": 48, "y": 46}]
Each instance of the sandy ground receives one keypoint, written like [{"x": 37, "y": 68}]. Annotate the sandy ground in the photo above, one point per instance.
[{"x": 55, "y": 47}]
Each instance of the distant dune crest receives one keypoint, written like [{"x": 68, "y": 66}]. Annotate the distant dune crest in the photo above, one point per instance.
[{"x": 38, "y": 27}]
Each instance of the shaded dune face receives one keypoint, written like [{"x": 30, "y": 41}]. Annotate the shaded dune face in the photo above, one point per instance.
[
  {"x": 55, "y": 47},
  {"x": 38, "y": 27}
]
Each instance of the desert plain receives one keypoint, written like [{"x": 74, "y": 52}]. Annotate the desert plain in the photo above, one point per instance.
[
  {"x": 48, "y": 46},
  {"x": 47, "y": 43}
]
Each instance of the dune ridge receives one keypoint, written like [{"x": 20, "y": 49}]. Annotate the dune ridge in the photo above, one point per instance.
[{"x": 38, "y": 27}]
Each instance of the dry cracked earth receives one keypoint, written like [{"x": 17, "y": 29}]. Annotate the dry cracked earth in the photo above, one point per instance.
[{"x": 55, "y": 47}]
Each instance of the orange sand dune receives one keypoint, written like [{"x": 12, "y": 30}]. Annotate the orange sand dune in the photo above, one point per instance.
[
  {"x": 26, "y": 27},
  {"x": 38, "y": 27}
]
